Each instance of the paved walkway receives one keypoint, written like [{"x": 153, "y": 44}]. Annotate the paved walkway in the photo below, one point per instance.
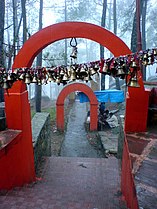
[
  {"x": 70, "y": 183},
  {"x": 76, "y": 143}
]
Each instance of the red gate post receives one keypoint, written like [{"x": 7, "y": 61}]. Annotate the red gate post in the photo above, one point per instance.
[{"x": 20, "y": 157}]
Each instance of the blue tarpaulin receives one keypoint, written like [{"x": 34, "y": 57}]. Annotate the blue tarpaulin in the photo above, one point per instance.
[{"x": 104, "y": 96}]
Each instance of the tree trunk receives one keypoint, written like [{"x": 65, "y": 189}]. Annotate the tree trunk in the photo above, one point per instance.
[
  {"x": 65, "y": 41},
  {"x": 134, "y": 42},
  {"x": 115, "y": 32},
  {"x": 2, "y": 14},
  {"x": 134, "y": 30},
  {"x": 144, "y": 10},
  {"x": 103, "y": 23},
  {"x": 23, "y": 5},
  {"x": 38, "y": 88}
]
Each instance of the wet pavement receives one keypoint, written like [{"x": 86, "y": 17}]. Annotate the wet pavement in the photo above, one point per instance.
[
  {"x": 70, "y": 183},
  {"x": 76, "y": 143}
]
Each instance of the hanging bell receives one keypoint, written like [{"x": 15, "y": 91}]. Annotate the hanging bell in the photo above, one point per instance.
[
  {"x": 9, "y": 78},
  {"x": 120, "y": 71},
  {"x": 87, "y": 78},
  {"x": 83, "y": 72},
  {"x": 16, "y": 70},
  {"x": 58, "y": 81},
  {"x": 150, "y": 57},
  {"x": 39, "y": 82},
  {"x": 5, "y": 84},
  {"x": 34, "y": 79},
  {"x": 74, "y": 52},
  {"x": 44, "y": 81},
  {"x": 133, "y": 82},
  {"x": 61, "y": 71},
  {"x": 73, "y": 76},
  {"x": 133, "y": 64},
  {"x": 65, "y": 77},
  {"x": 96, "y": 67},
  {"x": 93, "y": 71},
  {"x": 105, "y": 69},
  {"x": 50, "y": 77},
  {"x": 145, "y": 59},
  {"x": 27, "y": 78},
  {"x": 155, "y": 52},
  {"x": 22, "y": 76},
  {"x": 69, "y": 70}
]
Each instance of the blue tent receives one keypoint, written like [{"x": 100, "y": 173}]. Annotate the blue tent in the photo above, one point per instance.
[{"x": 104, "y": 96}]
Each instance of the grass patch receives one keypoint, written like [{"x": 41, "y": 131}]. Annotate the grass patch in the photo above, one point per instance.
[{"x": 51, "y": 111}]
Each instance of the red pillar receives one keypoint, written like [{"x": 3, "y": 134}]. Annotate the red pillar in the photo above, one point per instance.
[
  {"x": 21, "y": 154},
  {"x": 60, "y": 116},
  {"x": 93, "y": 117}
]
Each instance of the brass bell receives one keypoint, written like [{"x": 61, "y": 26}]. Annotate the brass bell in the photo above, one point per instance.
[
  {"x": 134, "y": 64},
  {"x": 145, "y": 59},
  {"x": 34, "y": 79},
  {"x": 62, "y": 72},
  {"x": 120, "y": 71},
  {"x": 44, "y": 81},
  {"x": 22, "y": 76},
  {"x": 9, "y": 78},
  {"x": 58, "y": 81},
  {"x": 27, "y": 78},
  {"x": 5, "y": 84},
  {"x": 133, "y": 82},
  {"x": 74, "y": 52},
  {"x": 50, "y": 77},
  {"x": 155, "y": 52},
  {"x": 96, "y": 67},
  {"x": 16, "y": 70},
  {"x": 93, "y": 71},
  {"x": 73, "y": 76},
  {"x": 105, "y": 69},
  {"x": 83, "y": 72},
  {"x": 39, "y": 82},
  {"x": 65, "y": 77},
  {"x": 87, "y": 78}
]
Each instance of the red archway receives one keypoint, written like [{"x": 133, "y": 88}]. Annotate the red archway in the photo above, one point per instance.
[
  {"x": 17, "y": 103},
  {"x": 63, "y": 30},
  {"x": 137, "y": 99},
  {"x": 93, "y": 104}
]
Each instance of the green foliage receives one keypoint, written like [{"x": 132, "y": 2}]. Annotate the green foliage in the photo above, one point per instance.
[{"x": 51, "y": 111}]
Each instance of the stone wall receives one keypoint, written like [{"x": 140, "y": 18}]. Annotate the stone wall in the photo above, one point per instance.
[{"x": 41, "y": 136}]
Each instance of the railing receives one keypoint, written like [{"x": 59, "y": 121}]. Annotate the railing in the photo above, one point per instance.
[{"x": 127, "y": 179}]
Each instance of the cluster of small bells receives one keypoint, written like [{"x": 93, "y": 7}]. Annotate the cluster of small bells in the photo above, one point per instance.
[
  {"x": 122, "y": 67},
  {"x": 128, "y": 67}
]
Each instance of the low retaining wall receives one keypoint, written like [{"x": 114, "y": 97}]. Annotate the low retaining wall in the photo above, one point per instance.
[{"x": 41, "y": 136}]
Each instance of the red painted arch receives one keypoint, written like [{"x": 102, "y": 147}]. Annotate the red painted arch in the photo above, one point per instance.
[
  {"x": 63, "y": 30},
  {"x": 93, "y": 104}
]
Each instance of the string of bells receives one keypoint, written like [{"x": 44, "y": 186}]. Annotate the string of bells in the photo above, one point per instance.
[{"x": 122, "y": 67}]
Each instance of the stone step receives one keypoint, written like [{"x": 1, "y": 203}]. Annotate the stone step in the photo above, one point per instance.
[{"x": 2, "y": 123}]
